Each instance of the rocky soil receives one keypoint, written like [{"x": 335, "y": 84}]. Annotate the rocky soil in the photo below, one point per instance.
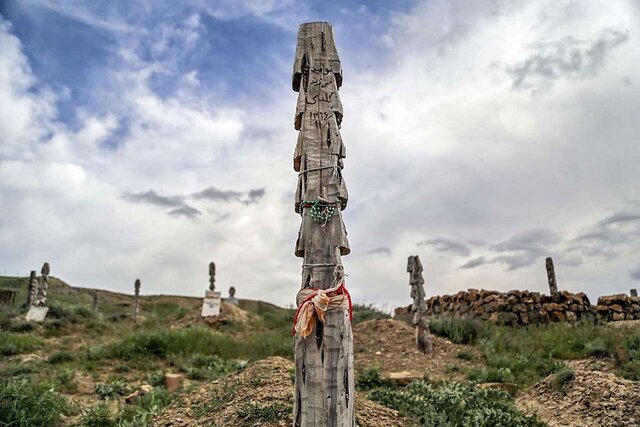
[
  {"x": 261, "y": 395},
  {"x": 389, "y": 345},
  {"x": 590, "y": 399}
]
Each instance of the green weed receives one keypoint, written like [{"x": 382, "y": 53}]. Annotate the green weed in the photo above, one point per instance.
[
  {"x": 453, "y": 405},
  {"x": 27, "y": 404}
]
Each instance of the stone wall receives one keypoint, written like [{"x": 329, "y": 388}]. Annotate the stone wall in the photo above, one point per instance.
[
  {"x": 510, "y": 308},
  {"x": 618, "y": 307}
]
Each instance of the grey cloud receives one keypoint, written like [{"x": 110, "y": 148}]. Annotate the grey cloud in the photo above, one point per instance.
[
  {"x": 179, "y": 207},
  {"x": 635, "y": 273},
  {"x": 442, "y": 244},
  {"x": 623, "y": 217},
  {"x": 529, "y": 241},
  {"x": 526, "y": 248},
  {"x": 382, "y": 250},
  {"x": 155, "y": 199},
  {"x": 213, "y": 193},
  {"x": 568, "y": 57},
  {"x": 185, "y": 211},
  {"x": 515, "y": 262},
  {"x": 609, "y": 236},
  {"x": 474, "y": 262}
]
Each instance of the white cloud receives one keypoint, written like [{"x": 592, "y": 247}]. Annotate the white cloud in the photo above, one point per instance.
[{"x": 439, "y": 144}]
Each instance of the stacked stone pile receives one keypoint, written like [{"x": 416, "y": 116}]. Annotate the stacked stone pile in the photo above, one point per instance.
[
  {"x": 510, "y": 308},
  {"x": 618, "y": 307}
]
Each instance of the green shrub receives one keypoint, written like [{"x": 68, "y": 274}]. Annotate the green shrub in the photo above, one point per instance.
[
  {"x": 167, "y": 343},
  {"x": 156, "y": 378},
  {"x": 453, "y": 404},
  {"x": 112, "y": 389},
  {"x": 369, "y": 379},
  {"x": 12, "y": 344},
  {"x": 465, "y": 355},
  {"x": 364, "y": 312},
  {"x": 209, "y": 367},
  {"x": 464, "y": 330},
  {"x": 27, "y": 404},
  {"x": 254, "y": 413},
  {"x": 21, "y": 369},
  {"x": 490, "y": 375},
  {"x": 60, "y": 357},
  {"x": 450, "y": 369},
  {"x": 597, "y": 348},
  {"x": 97, "y": 416},
  {"x": 562, "y": 378},
  {"x": 65, "y": 380},
  {"x": 22, "y": 327}
]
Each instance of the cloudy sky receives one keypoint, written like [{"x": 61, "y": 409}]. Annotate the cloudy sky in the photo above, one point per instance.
[{"x": 146, "y": 139}]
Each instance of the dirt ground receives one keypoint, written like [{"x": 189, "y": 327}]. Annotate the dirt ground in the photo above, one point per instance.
[
  {"x": 389, "y": 345},
  {"x": 590, "y": 399},
  {"x": 266, "y": 388}
]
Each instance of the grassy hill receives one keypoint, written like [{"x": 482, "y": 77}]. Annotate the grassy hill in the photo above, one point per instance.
[{"x": 76, "y": 367}]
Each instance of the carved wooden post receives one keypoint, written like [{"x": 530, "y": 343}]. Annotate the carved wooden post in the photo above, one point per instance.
[
  {"x": 551, "y": 276},
  {"x": 324, "y": 382},
  {"x": 136, "y": 301},
  {"x": 212, "y": 276},
  {"x": 634, "y": 292},
  {"x": 419, "y": 306},
  {"x": 95, "y": 300},
  {"x": 43, "y": 285},
  {"x": 32, "y": 294}
]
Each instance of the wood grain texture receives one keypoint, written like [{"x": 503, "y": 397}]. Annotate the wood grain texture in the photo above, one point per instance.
[
  {"x": 419, "y": 306},
  {"x": 324, "y": 383},
  {"x": 551, "y": 276}
]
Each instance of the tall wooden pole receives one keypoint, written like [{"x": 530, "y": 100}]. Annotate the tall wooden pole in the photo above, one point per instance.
[
  {"x": 551, "y": 276},
  {"x": 136, "y": 300},
  {"x": 419, "y": 306},
  {"x": 324, "y": 383}
]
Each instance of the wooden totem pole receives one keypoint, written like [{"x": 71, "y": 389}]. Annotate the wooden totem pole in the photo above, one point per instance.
[
  {"x": 324, "y": 383},
  {"x": 419, "y": 306},
  {"x": 551, "y": 276},
  {"x": 43, "y": 285}
]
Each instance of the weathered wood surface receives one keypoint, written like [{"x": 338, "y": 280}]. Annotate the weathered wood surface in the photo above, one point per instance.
[
  {"x": 324, "y": 382},
  {"x": 419, "y": 306},
  {"x": 551, "y": 276},
  {"x": 7, "y": 297},
  {"x": 634, "y": 292},
  {"x": 43, "y": 285},
  {"x": 212, "y": 276},
  {"x": 136, "y": 300},
  {"x": 32, "y": 291}
]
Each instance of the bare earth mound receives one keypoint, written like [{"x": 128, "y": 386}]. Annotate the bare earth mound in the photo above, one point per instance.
[
  {"x": 590, "y": 399},
  {"x": 389, "y": 345},
  {"x": 261, "y": 395},
  {"x": 229, "y": 313}
]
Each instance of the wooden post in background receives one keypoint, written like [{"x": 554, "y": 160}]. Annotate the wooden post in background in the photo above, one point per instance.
[
  {"x": 32, "y": 290},
  {"x": 551, "y": 276},
  {"x": 419, "y": 306},
  {"x": 95, "y": 300},
  {"x": 136, "y": 300},
  {"x": 324, "y": 382},
  {"x": 634, "y": 292},
  {"x": 212, "y": 276},
  {"x": 43, "y": 285}
]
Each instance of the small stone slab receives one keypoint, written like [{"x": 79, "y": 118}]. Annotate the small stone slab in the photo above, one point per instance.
[
  {"x": 211, "y": 304},
  {"x": 173, "y": 382},
  {"x": 37, "y": 314},
  {"x": 404, "y": 377}
]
